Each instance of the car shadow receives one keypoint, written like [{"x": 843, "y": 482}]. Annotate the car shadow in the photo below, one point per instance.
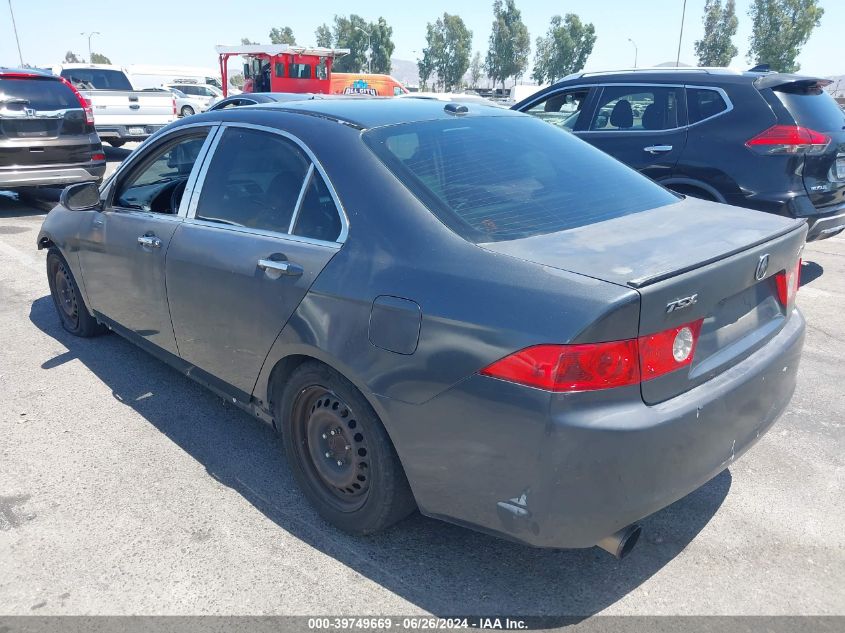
[
  {"x": 441, "y": 568},
  {"x": 810, "y": 271},
  {"x": 16, "y": 205},
  {"x": 115, "y": 154}
]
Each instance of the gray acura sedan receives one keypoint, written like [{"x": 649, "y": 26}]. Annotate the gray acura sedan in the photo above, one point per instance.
[{"x": 449, "y": 307}]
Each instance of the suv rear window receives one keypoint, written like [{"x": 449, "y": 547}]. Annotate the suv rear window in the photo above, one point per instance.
[
  {"x": 39, "y": 94},
  {"x": 97, "y": 79},
  {"x": 811, "y": 107},
  {"x": 500, "y": 178}
]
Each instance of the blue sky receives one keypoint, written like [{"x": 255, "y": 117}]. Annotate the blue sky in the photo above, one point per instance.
[{"x": 185, "y": 32}]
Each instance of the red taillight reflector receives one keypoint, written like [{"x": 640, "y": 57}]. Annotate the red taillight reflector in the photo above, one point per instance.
[
  {"x": 571, "y": 367},
  {"x": 89, "y": 111},
  {"x": 173, "y": 101},
  {"x": 98, "y": 157},
  {"x": 788, "y": 139},
  {"x": 787, "y": 282},
  {"x": 668, "y": 350}
]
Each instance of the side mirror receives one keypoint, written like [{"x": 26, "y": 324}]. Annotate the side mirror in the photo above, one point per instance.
[{"x": 81, "y": 196}]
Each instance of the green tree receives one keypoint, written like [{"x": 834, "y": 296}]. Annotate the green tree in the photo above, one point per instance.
[
  {"x": 283, "y": 35},
  {"x": 71, "y": 58},
  {"x": 716, "y": 48},
  {"x": 357, "y": 35},
  {"x": 448, "y": 44},
  {"x": 779, "y": 29},
  {"x": 425, "y": 68},
  {"x": 476, "y": 68},
  {"x": 98, "y": 58},
  {"x": 564, "y": 49},
  {"x": 510, "y": 44},
  {"x": 245, "y": 41},
  {"x": 323, "y": 35}
]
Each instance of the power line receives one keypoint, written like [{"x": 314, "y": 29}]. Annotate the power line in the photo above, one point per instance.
[{"x": 15, "y": 28}]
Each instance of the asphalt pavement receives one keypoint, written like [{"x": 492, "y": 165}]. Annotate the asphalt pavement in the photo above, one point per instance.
[{"x": 125, "y": 488}]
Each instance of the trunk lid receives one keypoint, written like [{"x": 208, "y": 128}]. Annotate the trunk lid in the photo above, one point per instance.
[{"x": 670, "y": 254}]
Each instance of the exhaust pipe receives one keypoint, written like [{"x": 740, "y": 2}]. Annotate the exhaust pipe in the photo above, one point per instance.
[{"x": 620, "y": 543}]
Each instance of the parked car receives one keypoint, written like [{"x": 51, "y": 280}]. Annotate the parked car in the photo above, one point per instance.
[
  {"x": 187, "y": 105},
  {"x": 47, "y": 134},
  {"x": 202, "y": 95},
  {"x": 252, "y": 98},
  {"x": 121, "y": 113},
  {"x": 444, "y": 306},
  {"x": 766, "y": 141}
]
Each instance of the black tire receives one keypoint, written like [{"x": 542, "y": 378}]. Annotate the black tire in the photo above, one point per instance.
[
  {"x": 186, "y": 111},
  {"x": 339, "y": 451},
  {"x": 116, "y": 143},
  {"x": 72, "y": 312}
]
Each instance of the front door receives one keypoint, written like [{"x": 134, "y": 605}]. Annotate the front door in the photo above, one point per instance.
[
  {"x": 643, "y": 126},
  {"x": 124, "y": 246},
  {"x": 261, "y": 227}
]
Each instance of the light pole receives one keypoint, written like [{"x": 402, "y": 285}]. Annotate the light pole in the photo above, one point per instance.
[
  {"x": 635, "y": 51},
  {"x": 369, "y": 49},
  {"x": 90, "y": 35},
  {"x": 15, "y": 28},
  {"x": 681, "y": 36}
]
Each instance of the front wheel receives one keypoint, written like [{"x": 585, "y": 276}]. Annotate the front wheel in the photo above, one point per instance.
[
  {"x": 187, "y": 111},
  {"x": 340, "y": 453},
  {"x": 67, "y": 298}
]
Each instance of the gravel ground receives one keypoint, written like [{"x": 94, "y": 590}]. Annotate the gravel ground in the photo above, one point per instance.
[{"x": 127, "y": 489}]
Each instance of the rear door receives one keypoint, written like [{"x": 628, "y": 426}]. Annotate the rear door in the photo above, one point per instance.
[
  {"x": 41, "y": 123},
  {"x": 824, "y": 168},
  {"x": 644, "y": 126},
  {"x": 263, "y": 224}
]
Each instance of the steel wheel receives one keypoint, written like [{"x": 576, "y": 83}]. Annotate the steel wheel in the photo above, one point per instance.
[
  {"x": 331, "y": 448},
  {"x": 65, "y": 295}
]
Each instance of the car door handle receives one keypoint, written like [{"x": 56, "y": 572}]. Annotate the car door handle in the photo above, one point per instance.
[
  {"x": 150, "y": 241},
  {"x": 283, "y": 267},
  {"x": 657, "y": 149}
]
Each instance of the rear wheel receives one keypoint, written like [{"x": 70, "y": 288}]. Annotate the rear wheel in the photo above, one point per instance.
[
  {"x": 68, "y": 300},
  {"x": 340, "y": 453},
  {"x": 187, "y": 110}
]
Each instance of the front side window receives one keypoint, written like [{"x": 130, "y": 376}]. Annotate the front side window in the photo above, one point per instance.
[
  {"x": 158, "y": 182},
  {"x": 627, "y": 108},
  {"x": 562, "y": 109},
  {"x": 507, "y": 177},
  {"x": 253, "y": 180}
]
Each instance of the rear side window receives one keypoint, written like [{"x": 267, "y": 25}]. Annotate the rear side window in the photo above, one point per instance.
[
  {"x": 37, "y": 94},
  {"x": 96, "y": 79},
  {"x": 503, "y": 178},
  {"x": 811, "y": 107},
  {"x": 626, "y": 108},
  {"x": 703, "y": 103}
]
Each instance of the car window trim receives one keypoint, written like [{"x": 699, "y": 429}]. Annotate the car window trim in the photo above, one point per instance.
[
  {"x": 306, "y": 182},
  {"x": 593, "y": 86},
  {"x": 187, "y": 195},
  {"x": 341, "y": 212}
]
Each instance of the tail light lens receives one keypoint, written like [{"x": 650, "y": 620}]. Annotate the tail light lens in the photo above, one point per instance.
[
  {"x": 789, "y": 139},
  {"x": 89, "y": 111},
  {"x": 173, "y": 101},
  {"x": 594, "y": 366},
  {"x": 98, "y": 156},
  {"x": 787, "y": 282}
]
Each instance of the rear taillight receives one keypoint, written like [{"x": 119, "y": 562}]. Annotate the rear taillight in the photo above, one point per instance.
[
  {"x": 787, "y": 282},
  {"x": 96, "y": 157},
  {"x": 789, "y": 139},
  {"x": 594, "y": 366},
  {"x": 89, "y": 111}
]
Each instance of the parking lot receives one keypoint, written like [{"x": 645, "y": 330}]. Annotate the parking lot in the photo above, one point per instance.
[{"x": 125, "y": 488}]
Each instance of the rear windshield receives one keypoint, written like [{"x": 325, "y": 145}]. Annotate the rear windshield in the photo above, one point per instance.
[
  {"x": 96, "y": 79},
  {"x": 37, "y": 94},
  {"x": 505, "y": 178},
  {"x": 812, "y": 108}
]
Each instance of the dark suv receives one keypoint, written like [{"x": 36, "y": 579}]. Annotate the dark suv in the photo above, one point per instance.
[
  {"x": 47, "y": 134},
  {"x": 766, "y": 141}
]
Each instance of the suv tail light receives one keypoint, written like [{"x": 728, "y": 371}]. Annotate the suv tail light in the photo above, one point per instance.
[
  {"x": 787, "y": 282},
  {"x": 594, "y": 366},
  {"x": 789, "y": 139},
  {"x": 89, "y": 111}
]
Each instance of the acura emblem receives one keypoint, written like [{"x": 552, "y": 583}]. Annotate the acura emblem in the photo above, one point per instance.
[{"x": 762, "y": 267}]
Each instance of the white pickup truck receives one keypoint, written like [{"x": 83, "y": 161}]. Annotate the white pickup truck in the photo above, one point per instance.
[{"x": 121, "y": 114}]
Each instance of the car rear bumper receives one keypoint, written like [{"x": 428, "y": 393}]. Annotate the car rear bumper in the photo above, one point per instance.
[
  {"x": 51, "y": 176},
  {"x": 827, "y": 225},
  {"x": 569, "y": 469},
  {"x": 127, "y": 132}
]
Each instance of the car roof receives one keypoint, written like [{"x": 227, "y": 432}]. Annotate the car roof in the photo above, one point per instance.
[
  {"x": 703, "y": 75},
  {"x": 380, "y": 111}
]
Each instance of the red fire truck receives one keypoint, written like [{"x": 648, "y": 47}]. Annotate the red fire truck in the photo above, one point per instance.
[{"x": 282, "y": 67}]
